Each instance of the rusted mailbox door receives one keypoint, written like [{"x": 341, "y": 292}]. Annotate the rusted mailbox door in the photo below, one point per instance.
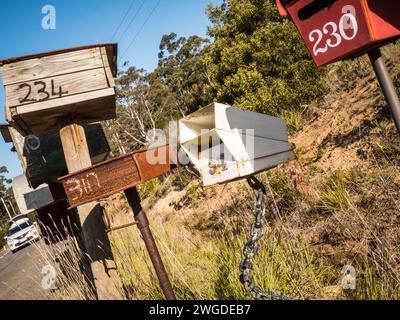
[
  {"x": 114, "y": 175},
  {"x": 338, "y": 29}
]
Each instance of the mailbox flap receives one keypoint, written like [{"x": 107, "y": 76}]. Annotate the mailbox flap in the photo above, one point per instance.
[
  {"x": 226, "y": 143},
  {"x": 224, "y": 117}
]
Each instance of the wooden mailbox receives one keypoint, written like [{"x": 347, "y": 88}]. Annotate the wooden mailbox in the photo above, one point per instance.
[
  {"x": 338, "y": 29},
  {"x": 226, "y": 143},
  {"x": 42, "y": 156},
  {"x": 74, "y": 83}
]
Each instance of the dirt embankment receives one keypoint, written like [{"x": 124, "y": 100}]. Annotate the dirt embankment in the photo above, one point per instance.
[{"x": 336, "y": 205}]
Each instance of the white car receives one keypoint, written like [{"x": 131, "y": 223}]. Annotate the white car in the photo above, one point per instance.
[{"x": 21, "y": 233}]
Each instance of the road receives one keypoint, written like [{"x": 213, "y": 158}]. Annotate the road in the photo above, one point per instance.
[{"x": 20, "y": 275}]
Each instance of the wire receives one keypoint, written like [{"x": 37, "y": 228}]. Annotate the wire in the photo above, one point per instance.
[
  {"x": 123, "y": 19},
  {"x": 141, "y": 29},
  {"x": 132, "y": 20}
]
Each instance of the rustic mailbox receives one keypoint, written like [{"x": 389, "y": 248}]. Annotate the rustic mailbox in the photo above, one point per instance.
[
  {"x": 72, "y": 83},
  {"x": 337, "y": 29},
  {"x": 42, "y": 156},
  {"x": 115, "y": 175},
  {"x": 226, "y": 143}
]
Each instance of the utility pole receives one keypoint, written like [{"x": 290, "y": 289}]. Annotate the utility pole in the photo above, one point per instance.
[
  {"x": 12, "y": 207},
  {"x": 5, "y": 206}
]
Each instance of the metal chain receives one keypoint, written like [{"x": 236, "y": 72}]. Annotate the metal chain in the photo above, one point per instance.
[{"x": 250, "y": 249}]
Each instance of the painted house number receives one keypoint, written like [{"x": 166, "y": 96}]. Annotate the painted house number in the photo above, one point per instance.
[
  {"x": 83, "y": 185},
  {"x": 42, "y": 91},
  {"x": 337, "y": 33}
]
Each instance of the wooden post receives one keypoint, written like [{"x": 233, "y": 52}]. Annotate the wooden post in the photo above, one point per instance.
[{"x": 94, "y": 236}]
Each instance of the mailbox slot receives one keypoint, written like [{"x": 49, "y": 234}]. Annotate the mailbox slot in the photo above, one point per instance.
[{"x": 313, "y": 8}]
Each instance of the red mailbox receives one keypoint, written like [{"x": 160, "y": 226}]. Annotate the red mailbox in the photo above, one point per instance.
[{"x": 338, "y": 29}]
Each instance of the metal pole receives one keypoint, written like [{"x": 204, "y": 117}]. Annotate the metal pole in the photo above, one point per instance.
[
  {"x": 8, "y": 212},
  {"x": 143, "y": 224},
  {"x": 386, "y": 83},
  {"x": 12, "y": 207}
]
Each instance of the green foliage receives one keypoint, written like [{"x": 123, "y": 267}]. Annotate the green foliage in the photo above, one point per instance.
[
  {"x": 184, "y": 67},
  {"x": 258, "y": 60},
  {"x": 149, "y": 188},
  {"x": 284, "y": 192},
  {"x": 254, "y": 59},
  {"x": 5, "y": 192},
  {"x": 3, "y": 181}
]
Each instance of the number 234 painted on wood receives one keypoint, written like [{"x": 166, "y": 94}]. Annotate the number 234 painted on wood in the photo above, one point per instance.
[
  {"x": 347, "y": 21},
  {"x": 41, "y": 90}
]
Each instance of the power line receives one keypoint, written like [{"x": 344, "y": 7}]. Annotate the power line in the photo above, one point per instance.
[
  {"x": 141, "y": 29},
  {"x": 123, "y": 19},
  {"x": 132, "y": 20}
]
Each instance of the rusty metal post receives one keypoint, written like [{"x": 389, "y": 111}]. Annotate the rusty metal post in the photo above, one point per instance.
[
  {"x": 386, "y": 83},
  {"x": 143, "y": 224}
]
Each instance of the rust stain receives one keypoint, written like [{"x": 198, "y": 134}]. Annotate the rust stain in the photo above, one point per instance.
[{"x": 153, "y": 163}]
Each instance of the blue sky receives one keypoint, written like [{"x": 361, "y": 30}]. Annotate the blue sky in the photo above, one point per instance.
[{"x": 94, "y": 21}]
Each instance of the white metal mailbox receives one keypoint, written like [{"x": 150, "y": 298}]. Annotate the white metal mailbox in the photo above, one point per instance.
[
  {"x": 74, "y": 83},
  {"x": 226, "y": 143},
  {"x": 28, "y": 199}
]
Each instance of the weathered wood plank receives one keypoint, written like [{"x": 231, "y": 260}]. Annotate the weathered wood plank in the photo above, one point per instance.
[
  {"x": 94, "y": 236},
  {"x": 55, "y": 87},
  {"x": 90, "y": 107},
  {"x": 107, "y": 68},
  {"x": 51, "y": 66},
  {"x": 64, "y": 102}
]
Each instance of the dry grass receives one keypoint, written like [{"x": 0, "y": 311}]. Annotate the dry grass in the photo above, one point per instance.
[
  {"x": 70, "y": 267},
  {"x": 339, "y": 206}
]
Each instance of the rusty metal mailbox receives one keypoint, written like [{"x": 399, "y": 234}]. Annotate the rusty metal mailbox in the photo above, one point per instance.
[
  {"x": 338, "y": 29},
  {"x": 73, "y": 83}
]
